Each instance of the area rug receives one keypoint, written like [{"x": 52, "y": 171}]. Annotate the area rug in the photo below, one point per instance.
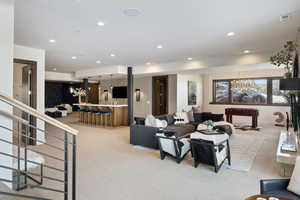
[{"x": 243, "y": 148}]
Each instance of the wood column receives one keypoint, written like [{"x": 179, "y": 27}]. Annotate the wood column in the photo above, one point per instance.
[{"x": 130, "y": 95}]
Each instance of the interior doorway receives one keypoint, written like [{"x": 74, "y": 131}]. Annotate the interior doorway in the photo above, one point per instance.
[
  {"x": 25, "y": 90},
  {"x": 159, "y": 95}
]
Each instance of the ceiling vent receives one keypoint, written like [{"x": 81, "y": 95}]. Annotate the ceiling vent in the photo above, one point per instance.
[
  {"x": 131, "y": 12},
  {"x": 284, "y": 18}
]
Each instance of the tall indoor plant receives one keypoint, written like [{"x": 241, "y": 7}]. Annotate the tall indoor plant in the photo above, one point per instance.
[{"x": 285, "y": 58}]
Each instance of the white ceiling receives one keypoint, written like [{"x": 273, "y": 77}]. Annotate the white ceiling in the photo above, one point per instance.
[{"x": 191, "y": 28}]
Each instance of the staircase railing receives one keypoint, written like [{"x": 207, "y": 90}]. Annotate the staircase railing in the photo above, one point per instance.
[{"x": 57, "y": 155}]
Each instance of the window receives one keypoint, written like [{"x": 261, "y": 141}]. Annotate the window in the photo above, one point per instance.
[
  {"x": 254, "y": 93},
  {"x": 278, "y": 96},
  {"x": 259, "y": 91}
]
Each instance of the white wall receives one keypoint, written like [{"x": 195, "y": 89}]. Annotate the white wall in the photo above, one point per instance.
[
  {"x": 6, "y": 78},
  {"x": 58, "y": 76},
  {"x": 37, "y": 55},
  {"x": 265, "y": 112},
  {"x": 182, "y": 90}
]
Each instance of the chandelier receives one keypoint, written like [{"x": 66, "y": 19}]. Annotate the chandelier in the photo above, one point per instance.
[{"x": 243, "y": 85}]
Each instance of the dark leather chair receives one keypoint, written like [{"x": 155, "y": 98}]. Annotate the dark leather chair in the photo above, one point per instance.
[{"x": 277, "y": 187}]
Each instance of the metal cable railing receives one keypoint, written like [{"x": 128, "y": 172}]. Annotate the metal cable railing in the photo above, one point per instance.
[{"x": 58, "y": 158}]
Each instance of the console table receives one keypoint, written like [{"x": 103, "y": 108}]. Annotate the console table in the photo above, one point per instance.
[
  {"x": 286, "y": 159},
  {"x": 229, "y": 112}
]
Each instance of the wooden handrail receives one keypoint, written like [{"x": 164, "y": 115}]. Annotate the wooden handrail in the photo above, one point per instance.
[{"x": 23, "y": 107}]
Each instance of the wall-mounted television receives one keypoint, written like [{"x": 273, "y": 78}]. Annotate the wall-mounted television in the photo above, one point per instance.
[{"x": 119, "y": 92}]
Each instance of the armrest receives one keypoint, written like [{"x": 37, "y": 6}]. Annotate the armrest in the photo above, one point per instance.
[
  {"x": 269, "y": 185},
  {"x": 221, "y": 142},
  {"x": 143, "y": 135},
  {"x": 184, "y": 136}
]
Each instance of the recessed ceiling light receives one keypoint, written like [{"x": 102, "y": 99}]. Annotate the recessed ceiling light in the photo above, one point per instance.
[
  {"x": 159, "y": 46},
  {"x": 98, "y": 62},
  {"x": 54, "y": 69},
  {"x": 112, "y": 55},
  {"x": 52, "y": 41},
  {"x": 74, "y": 57},
  {"x": 190, "y": 58},
  {"x": 247, "y": 51},
  {"x": 100, "y": 23},
  {"x": 230, "y": 34}
]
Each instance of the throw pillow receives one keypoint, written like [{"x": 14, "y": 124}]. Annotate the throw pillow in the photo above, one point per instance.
[
  {"x": 161, "y": 123},
  {"x": 217, "y": 117},
  {"x": 182, "y": 115},
  {"x": 168, "y": 118},
  {"x": 197, "y": 117},
  {"x": 191, "y": 116},
  {"x": 139, "y": 120},
  {"x": 206, "y": 116},
  {"x": 150, "y": 121},
  {"x": 178, "y": 120},
  {"x": 196, "y": 109},
  {"x": 294, "y": 185}
]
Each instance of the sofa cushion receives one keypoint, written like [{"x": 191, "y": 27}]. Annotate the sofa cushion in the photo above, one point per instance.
[
  {"x": 294, "y": 185},
  {"x": 217, "y": 117},
  {"x": 61, "y": 108},
  {"x": 206, "y": 116},
  {"x": 139, "y": 120},
  {"x": 168, "y": 118},
  {"x": 191, "y": 116},
  {"x": 202, "y": 117},
  {"x": 196, "y": 109},
  {"x": 182, "y": 115},
  {"x": 198, "y": 117},
  {"x": 150, "y": 121},
  {"x": 181, "y": 130}
]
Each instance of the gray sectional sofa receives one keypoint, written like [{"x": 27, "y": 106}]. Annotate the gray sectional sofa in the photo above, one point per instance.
[{"x": 145, "y": 135}]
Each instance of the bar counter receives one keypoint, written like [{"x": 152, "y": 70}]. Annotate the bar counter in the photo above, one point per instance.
[{"x": 119, "y": 112}]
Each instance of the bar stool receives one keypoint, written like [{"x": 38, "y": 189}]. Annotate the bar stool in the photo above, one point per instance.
[
  {"x": 99, "y": 117},
  {"x": 82, "y": 114},
  {"x": 108, "y": 118},
  {"x": 91, "y": 115}
]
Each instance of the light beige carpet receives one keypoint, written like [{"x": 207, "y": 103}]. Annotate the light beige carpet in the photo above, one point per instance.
[
  {"x": 110, "y": 168},
  {"x": 243, "y": 149}
]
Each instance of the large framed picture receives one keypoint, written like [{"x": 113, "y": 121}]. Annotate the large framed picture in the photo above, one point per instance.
[{"x": 192, "y": 93}]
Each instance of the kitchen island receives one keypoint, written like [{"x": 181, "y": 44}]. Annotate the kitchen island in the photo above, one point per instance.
[{"x": 119, "y": 112}]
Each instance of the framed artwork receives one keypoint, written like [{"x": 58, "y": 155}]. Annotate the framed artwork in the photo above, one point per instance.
[{"x": 192, "y": 93}]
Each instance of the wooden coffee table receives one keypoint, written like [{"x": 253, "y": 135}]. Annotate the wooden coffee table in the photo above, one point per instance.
[{"x": 264, "y": 196}]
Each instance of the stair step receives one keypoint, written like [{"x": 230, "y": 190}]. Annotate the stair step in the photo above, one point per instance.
[{"x": 22, "y": 196}]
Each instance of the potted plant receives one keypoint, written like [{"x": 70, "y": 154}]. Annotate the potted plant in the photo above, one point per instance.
[
  {"x": 288, "y": 95},
  {"x": 285, "y": 58},
  {"x": 79, "y": 92},
  {"x": 209, "y": 124}
]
